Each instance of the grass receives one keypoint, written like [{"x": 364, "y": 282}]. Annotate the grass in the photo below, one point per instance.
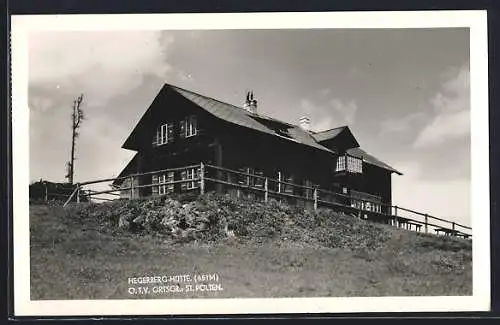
[{"x": 278, "y": 251}]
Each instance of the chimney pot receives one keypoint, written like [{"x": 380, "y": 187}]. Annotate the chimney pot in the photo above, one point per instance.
[
  {"x": 250, "y": 103},
  {"x": 305, "y": 123}
]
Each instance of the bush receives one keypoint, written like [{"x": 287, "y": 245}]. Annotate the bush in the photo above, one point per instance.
[
  {"x": 43, "y": 191},
  {"x": 215, "y": 217}
]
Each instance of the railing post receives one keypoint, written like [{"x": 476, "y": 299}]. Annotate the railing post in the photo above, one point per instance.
[
  {"x": 426, "y": 222},
  {"x": 396, "y": 210},
  {"x": 77, "y": 192},
  {"x": 266, "y": 191},
  {"x": 453, "y": 227},
  {"x": 202, "y": 178},
  {"x": 46, "y": 192},
  {"x": 315, "y": 196},
  {"x": 131, "y": 187}
]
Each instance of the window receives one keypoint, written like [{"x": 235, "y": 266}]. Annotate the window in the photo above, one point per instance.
[
  {"x": 190, "y": 174},
  {"x": 250, "y": 180},
  {"x": 189, "y": 127},
  {"x": 259, "y": 181},
  {"x": 285, "y": 188},
  {"x": 164, "y": 134},
  {"x": 357, "y": 204},
  {"x": 354, "y": 164},
  {"x": 170, "y": 178},
  {"x": 365, "y": 205},
  {"x": 350, "y": 164},
  {"x": 340, "y": 164},
  {"x": 308, "y": 192},
  {"x": 162, "y": 180}
]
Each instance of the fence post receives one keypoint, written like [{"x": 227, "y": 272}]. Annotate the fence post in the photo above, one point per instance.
[
  {"x": 315, "y": 196},
  {"x": 202, "y": 178},
  {"x": 46, "y": 192},
  {"x": 453, "y": 227},
  {"x": 77, "y": 192},
  {"x": 131, "y": 187},
  {"x": 266, "y": 191},
  {"x": 426, "y": 222},
  {"x": 279, "y": 182},
  {"x": 396, "y": 210}
]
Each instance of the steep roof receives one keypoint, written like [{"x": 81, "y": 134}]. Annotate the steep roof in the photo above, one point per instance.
[
  {"x": 241, "y": 117},
  {"x": 342, "y": 133},
  {"x": 328, "y": 134},
  {"x": 265, "y": 124},
  {"x": 360, "y": 153}
]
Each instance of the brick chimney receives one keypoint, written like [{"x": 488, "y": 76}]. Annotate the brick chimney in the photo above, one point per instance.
[
  {"x": 250, "y": 103},
  {"x": 305, "y": 123}
]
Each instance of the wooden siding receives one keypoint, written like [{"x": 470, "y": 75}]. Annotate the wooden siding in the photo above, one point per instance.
[{"x": 224, "y": 144}]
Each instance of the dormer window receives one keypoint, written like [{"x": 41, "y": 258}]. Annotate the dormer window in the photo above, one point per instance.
[
  {"x": 283, "y": 132},
  {"x": 189, "y": 127},
  {"x": 164, "y": 134}
]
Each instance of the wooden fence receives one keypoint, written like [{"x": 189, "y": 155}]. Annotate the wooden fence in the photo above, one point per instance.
[{"x": 238, "y": 183}]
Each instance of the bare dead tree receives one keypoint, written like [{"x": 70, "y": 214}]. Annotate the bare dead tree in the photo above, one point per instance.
[{"x": 77, "y": 117}]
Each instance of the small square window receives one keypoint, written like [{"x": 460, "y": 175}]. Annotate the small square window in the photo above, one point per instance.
[{"x": 163, "y": 181}]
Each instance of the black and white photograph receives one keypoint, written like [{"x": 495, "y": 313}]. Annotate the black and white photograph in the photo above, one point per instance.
[{"x": 236, "y": 163}]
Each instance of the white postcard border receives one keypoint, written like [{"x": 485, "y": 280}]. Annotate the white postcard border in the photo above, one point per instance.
[{"x": 480, "y": 203}]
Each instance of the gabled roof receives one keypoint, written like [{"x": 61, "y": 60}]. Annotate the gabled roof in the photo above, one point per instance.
[
  {"x": 360, "y": 153},
  {"x": 239, "y": 116},
  {"x": 261, "y": 123},
  {"x": 328, "y": 134},
  {"x": 344, "y": 131}
]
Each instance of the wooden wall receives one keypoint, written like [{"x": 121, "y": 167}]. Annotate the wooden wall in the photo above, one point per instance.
[{"x": 232, "y": 146}]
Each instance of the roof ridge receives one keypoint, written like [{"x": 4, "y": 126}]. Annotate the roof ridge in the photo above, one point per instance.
[
  {"x": 195, "y": 93},
  {"x": 238, "y": 107},
  {"x": 337, "y": 127},
  {"x": 273, "y": 119},
  {"x": 259, "y": 119}
]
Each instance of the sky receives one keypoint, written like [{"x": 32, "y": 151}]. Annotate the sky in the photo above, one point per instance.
[{"x": 403, "y": 92}]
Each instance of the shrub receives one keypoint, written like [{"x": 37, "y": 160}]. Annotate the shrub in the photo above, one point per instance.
[{"x": 210, "y": 217}]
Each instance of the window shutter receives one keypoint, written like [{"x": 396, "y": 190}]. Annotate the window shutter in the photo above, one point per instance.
[
  {"x": 199, "y": 126},
  {"x": 184, "y": 177},
  {"x": 155, "y": 138},
  {"x": 170, "y": 178},
  {"x": 194, "y": 123},
  {"x": 163, "y": 134},
  {"x": 182, "y": 129},
  {"x": 170, "y": 132}
]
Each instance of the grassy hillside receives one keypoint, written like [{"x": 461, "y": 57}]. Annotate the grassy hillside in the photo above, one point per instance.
[{"x": 250, "y": 249}]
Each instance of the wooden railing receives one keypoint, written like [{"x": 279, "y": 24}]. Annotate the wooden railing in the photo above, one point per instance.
[
  {"x": 430, "y": 222},
  {"x": 268, "y": 188}
]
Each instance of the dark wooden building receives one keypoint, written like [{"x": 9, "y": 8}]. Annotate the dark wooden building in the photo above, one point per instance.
[{"x": 182, "y": 128}]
